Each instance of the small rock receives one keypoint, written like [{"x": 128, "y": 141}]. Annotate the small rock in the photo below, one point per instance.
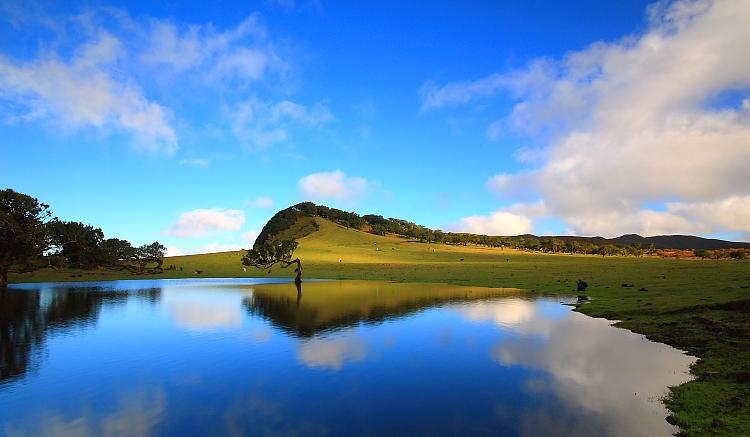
[
  {"x": 744, "y": 286},
  {"x": 624, "y": 285},
  {"x": 583, "y": 298},
  {"x": 582, "y": 285},
  {"x": 643, "y": 289},
  {"x": 671, "y": 420}
]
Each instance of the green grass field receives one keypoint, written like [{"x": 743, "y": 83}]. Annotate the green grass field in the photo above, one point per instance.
[{"x": 696, "y": 305}]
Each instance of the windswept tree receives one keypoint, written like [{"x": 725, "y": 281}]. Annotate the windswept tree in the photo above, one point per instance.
[
  {"x": 265, "y": 256},
  {"x": 23, "y": 232},
  {"x": 150, "y": 253}
]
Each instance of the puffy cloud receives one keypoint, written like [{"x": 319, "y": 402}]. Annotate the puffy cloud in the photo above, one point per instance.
[
  {"x": 497, "y": 223},
  {"x": 611, "y": 374},
  {"x": 195, "y": 162},
  {"x": 199, "y": 222},
  {"x": 173, "y": 251},
  {"x": 636, "y": 122},
  {"x": 332, "y": 353},
  {"x": 507, "y": 313},
  {"x": 333, "y": 185},
  {"x": 260, "y": 202},
  {"x": 206, "y": 314},
  {"x": 196, "y": 310},
  {"x": 260, "y": 124},
  {"x": 83, "y": 91}
]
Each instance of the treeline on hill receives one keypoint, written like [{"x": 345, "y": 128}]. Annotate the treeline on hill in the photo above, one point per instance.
[
  {"x": 31, "y": 238},
  {"x": 379, "y": 225}
]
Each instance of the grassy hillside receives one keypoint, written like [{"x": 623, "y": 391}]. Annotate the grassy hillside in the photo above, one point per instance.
[{"x": 696, "y": 305}]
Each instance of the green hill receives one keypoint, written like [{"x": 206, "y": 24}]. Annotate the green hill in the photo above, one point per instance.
[{"x": 294, "y": 223}]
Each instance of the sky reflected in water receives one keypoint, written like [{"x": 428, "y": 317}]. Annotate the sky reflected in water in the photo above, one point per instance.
[{"x": 238, "y": 357}]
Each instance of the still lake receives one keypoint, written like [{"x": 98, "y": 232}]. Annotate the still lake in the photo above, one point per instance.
[{"x": 249, "y": 357}]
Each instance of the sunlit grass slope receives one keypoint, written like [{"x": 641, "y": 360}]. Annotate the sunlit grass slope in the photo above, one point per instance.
[{"x": 696, "y": 305}]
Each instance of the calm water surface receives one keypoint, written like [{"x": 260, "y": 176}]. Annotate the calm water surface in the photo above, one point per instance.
[{"x": 241, "y": 357}]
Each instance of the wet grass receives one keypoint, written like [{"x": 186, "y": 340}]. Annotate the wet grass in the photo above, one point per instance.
[{"x": 699, "y": 306}]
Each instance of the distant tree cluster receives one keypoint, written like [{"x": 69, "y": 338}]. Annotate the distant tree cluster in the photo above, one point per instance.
[
  {"x": 31, "y": 238},
  {"x": 737, "y": 254}
]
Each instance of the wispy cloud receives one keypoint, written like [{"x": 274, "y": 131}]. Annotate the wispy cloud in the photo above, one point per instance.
[
  {"x": 259, "y": 123},
  {"x": 260, "y": 202},
  {"x": 250, "y": 236},
  {"x": 111, "y": 74},
  {"x": 195, "y": 162}
]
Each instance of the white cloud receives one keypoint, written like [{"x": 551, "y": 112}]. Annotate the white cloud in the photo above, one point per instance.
[
  {"x": 260, "y": 124},
  {"x": 629, "y": 124},
  {"x": 102, "y": 78},
  {"x": 242, "y": 53},
  {"x": 199, "y": 222},
  {"x": 594, "y": 368},
  {"x": 260, "y": 202},
  {"x": 173, "y": 251},
  {"x": 201, "y": 314},
  {"x": 218, "y": 247},
  {"x": 250, "y": 236},
  {"x": 195, "y": 162},
  {"x": 497, "y": 223},
  {"x": 84, "y": 92},
  {"x": 333, "y": 185},
  {"x": 332, "y": 353}
]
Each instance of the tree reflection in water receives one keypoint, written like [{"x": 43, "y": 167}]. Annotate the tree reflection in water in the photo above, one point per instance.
[
  {"x": 28, "y": 316},
  {"x": 332, "y": 306}
]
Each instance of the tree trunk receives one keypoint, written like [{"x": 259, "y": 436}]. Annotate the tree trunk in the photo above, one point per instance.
[
  {"x": 3, "y": 277},
  {"x": 298, "y": 270}
]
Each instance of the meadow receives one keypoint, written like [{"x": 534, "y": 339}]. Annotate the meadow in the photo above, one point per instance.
[{"x": 700, "y": 306}]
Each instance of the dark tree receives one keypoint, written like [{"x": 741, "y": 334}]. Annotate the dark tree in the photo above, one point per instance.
[
  {"x": 79, "y": 243},
  {"x": 114, "y": 252},
  {"x": 23, "y": 232},
  {"x": 149, "y": 253},
  {"x": 265, "y": 256}
]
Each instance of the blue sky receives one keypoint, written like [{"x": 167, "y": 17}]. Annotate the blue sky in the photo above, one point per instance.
[{"x": 192, "y": 124}]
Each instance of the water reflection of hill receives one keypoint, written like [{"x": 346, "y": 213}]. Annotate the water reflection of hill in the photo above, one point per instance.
[
  {"x": 328, "y": 306},
  {"x": 28, "y": 316}
]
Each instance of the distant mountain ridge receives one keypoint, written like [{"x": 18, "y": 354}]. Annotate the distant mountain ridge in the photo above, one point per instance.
[
  {"x": 288, "y": 224},
  {"x": 684, "y": 242}
]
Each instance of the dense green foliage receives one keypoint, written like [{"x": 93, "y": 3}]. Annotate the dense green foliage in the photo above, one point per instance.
[
  {"x": 271, "y": 253},
  {"x": 31, "y": 239},
  {"x": 23, "y": 232},
  {"x": 266, "y": 255}
]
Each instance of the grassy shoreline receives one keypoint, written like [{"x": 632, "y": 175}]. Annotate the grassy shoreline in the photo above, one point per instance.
[{"x": 698, "y": 306}]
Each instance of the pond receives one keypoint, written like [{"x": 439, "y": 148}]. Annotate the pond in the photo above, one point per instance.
[{"x": 249, "y": 357}]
